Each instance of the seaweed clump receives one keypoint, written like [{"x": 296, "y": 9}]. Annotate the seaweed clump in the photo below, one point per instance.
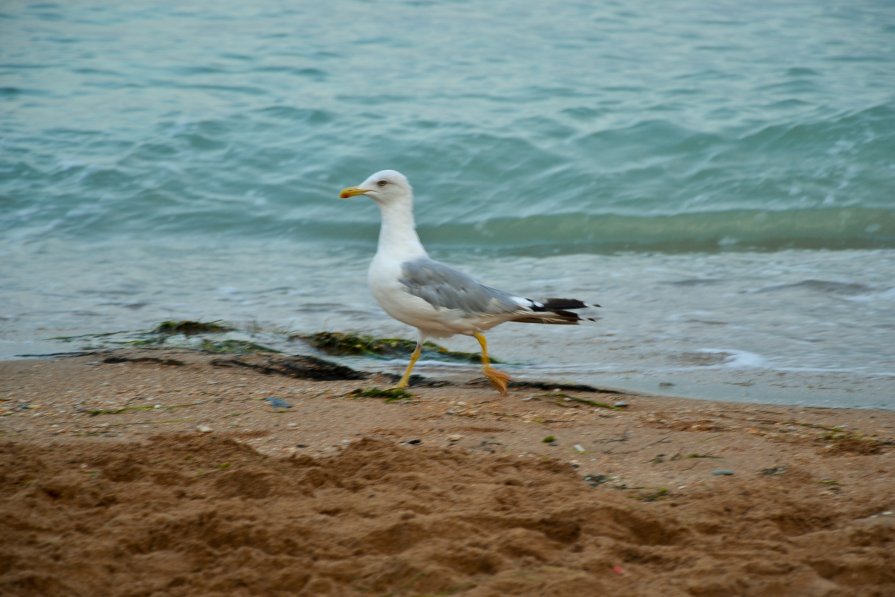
[
  {"x": 190, "y": 328},
  {"x": 390, "y": 394},
  {"x": 233, "y": 346},
  {"x": 347, "y": 344}
]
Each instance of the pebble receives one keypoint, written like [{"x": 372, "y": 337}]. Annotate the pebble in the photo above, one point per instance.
[
  {"x": 579, "y": 448},
  {"x": 722, "y": 472},
  {"x": 203, "y": 428},
  {"x": 595, "y": 480},
  {"x": 455, "y": 437},
  {"x": 620, "y": 404},
  {"x": 277, "y": 402}
]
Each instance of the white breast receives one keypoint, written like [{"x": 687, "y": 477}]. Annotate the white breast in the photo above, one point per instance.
[{"x": 385, "y": 283}]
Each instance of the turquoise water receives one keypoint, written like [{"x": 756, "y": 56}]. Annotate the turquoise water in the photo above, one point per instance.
[{"x": 721, "y": 177}]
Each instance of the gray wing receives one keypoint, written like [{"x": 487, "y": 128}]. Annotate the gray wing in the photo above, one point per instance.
[{"x": 445, "y": 288}]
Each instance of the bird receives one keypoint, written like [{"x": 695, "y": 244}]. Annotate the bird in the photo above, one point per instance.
[{"x": 436, "y": 299}]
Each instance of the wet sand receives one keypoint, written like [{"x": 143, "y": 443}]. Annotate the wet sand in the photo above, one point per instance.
[{"x": 176, "y": 473}]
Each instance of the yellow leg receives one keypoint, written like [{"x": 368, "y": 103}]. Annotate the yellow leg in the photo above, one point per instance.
[
  {"x": 405, "y": 379},
  {"x": 498, "y": 378}
]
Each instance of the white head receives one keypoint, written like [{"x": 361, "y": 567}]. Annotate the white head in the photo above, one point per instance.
[{"x": 384, "y": 187}]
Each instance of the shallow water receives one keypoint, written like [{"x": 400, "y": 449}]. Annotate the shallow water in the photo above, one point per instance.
[{"x": 719, "y": 177}]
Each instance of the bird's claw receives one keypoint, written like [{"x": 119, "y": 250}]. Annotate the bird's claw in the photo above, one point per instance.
[{"x": 498, "y": 379}]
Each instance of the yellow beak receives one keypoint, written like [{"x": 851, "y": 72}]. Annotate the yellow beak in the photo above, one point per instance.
[{"x": 351, "y": 192}]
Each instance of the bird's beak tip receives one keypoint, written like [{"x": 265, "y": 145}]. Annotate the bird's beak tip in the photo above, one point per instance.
[{"x": 351, "y": 192}]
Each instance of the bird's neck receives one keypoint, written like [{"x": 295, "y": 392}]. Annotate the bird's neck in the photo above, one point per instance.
[{"x": 397, "y": 236}]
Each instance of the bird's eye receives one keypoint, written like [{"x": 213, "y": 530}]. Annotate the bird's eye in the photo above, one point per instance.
[{"x": 381, "y": 183}]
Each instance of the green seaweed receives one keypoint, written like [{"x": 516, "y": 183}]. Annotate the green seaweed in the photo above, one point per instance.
[
  {"x": 390, "y": 394},
  {"x": 594, "y": 403},
  {"x": 143, "y": 342},
  {"x": 846, "y": 440},
  {"x": 87, "y": 336},
  {"x": 234, "y": 347},
  {"x": 190, "y": 328},
  {"x": 347, "y": 344},
  {"x": 139, "y": 407},
  {"x": 117, "y": 411},
  {"x": 152, "y": 338},
  {"x": 652, "y": 496}
]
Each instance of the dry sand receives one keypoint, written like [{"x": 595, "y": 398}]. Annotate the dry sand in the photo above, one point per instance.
[{"x": 168, "y": 473}]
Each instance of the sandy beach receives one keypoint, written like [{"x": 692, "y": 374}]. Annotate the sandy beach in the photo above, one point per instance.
[{"x": 169, "y": 472}]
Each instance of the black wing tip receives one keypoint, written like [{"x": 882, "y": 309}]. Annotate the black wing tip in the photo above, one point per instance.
[
  {"x": 562, "y": 310},
  {"x": 563, "y": 304}
]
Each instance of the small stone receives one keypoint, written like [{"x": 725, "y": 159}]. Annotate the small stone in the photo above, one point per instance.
[
  {"x": 620, "y": 404},
  {"x": 595, "y": 480},
  {"x": 579, "y": 448},
  {"x": 291, "y": 425},
  {"x": 414, "y": 442},
  {"x": 203, "y": 428},
  {"x": 722, "y": 472},
  {"x": 454, "y": 437},
  {"x": 277, "y": 403}
]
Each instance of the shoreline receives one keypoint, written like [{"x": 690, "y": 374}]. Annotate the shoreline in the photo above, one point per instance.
[
  {"x": 646, "y": 385},
  {"x": 553, "y": 490}
]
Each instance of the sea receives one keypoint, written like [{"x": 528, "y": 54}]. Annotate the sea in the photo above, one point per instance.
[{"x": 718, "y": 176}]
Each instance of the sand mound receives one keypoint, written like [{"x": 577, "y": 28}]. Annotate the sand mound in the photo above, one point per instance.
[{"x": 202, "y": 514}]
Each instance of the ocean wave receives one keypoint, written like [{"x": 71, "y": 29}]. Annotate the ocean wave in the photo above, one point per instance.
[
  {"x": 538, "y": 235},
  {"x": 845, "y": 228}
]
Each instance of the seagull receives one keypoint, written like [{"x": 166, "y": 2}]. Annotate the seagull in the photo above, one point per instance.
[{"x": 436, "y": 299}]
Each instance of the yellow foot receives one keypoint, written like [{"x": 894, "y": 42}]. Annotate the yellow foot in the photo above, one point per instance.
[{"x": 498, "y": 379}]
